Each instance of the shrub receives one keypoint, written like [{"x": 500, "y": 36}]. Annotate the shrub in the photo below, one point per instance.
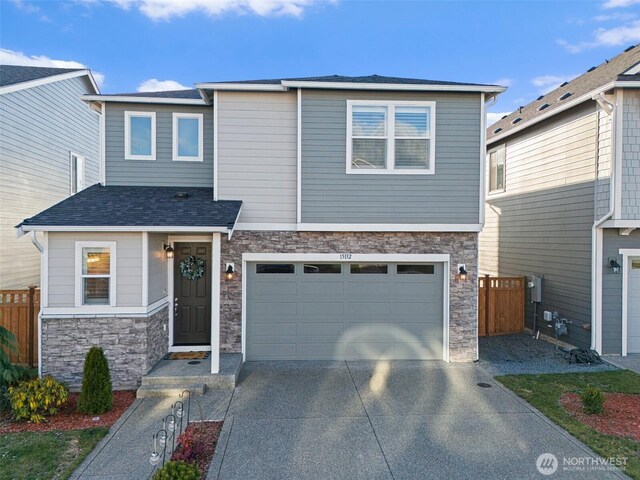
[
  {"x": 96, "y": 394},
  {"x": 177, "y": 471},
  {"x": 34, "y": 399},
  {"x": 592, "y": 400},
  {"x": 189, "y": 448}
]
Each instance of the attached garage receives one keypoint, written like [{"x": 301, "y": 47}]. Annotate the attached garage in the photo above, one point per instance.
[
  {"x": 633, "y": 305},
  {"x": 324, "y": 308}
]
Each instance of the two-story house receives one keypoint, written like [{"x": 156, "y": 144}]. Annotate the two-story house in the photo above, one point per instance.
[
  {"x": 310, "y": 218},
  {"x": 564, "y": 203},
  {"x": 49, "y": 150}
]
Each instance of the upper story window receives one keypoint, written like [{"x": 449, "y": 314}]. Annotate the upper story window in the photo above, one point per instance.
[
  {"x": 187, "y": 137},
  {"x": 77, "y": 177},
  {"x": 95, "y": 273},
  {"x": 390, "y": 137},
  {"x": 496, "y": 170},
  {"x": 140, "y": 135}
]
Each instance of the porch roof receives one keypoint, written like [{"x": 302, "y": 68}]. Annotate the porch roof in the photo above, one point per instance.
[{"x": 137, "y": 208}]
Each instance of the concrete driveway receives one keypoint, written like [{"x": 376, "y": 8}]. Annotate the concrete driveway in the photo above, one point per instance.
[{"x": 397, "y": 420}]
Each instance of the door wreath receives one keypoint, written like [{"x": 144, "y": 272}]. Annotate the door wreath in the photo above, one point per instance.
[{"x": 192, "y": 268}]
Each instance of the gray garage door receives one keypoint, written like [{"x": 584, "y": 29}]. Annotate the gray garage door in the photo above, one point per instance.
[{"x": 333, "y": 311}]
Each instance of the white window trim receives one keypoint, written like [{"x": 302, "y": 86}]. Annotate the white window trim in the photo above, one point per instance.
[
  {"x": 127, "y": 135},
  {"x": 504, "y": 170},
  {"x": 390, "y": 137},
  {"x": 200, "y": 118},
  {"x": 80, "y": 173},
  {"x": 112, "y": 274}
]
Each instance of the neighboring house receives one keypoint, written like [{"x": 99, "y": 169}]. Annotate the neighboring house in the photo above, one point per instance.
[
  {"x": 49, "y": 150},
  {"x": 329, "y": 215},
  {"x": 564, "y": 202}
]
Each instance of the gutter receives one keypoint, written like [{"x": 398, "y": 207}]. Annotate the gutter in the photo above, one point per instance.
[
  {"x": 596, "y": 327},
  {"x": 38, "y": 245}
]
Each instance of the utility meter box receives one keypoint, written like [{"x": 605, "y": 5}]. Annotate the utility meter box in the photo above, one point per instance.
[{"x": 534, "y": 285}]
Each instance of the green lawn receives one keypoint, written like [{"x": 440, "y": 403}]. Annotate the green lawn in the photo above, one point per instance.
[
  {"x": 544, "y": 392},
  {"x": 46, "y": 455}
]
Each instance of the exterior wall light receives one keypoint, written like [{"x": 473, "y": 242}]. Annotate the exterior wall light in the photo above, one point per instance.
[
  {"x": 168, "y": 249},
  {"x": 462, "y": 273},
  {"x": 614, "y": 266},
  {"x": 229, "y": 273}
]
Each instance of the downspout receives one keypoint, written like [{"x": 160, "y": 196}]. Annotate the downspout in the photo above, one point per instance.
[
  {"x": 38, "y": 245},
  {"x": 596, "y": 336}
]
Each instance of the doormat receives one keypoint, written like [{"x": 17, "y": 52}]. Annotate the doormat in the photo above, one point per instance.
[{"x": 186, "y": 355}]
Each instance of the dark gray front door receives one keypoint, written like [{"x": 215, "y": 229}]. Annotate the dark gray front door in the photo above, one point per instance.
[
  {"x": 324, "y": 311},
  {"x": 192, "y": 309}
]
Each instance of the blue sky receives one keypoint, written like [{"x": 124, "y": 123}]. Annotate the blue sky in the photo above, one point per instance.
[{"x": 162, "y": 44}]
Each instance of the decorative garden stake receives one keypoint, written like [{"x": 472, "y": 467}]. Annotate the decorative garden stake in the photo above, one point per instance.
[
  {"x": 172, "y": 426},
  {"x": 155, "y": 456}
]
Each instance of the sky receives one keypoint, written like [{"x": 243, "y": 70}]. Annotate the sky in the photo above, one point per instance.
[{"x": 143, "y": 45}]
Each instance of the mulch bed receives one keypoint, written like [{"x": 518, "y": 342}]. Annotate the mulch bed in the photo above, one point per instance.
[
  {"x": 202, "y": 439},
  {"x": 68, "y": 419},
  {"x": 620, "y": 417}
]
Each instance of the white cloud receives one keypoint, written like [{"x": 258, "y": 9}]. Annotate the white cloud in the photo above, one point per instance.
[
  {"x": 607, "y": 37},
  {"x": 11, "y": 57},
  {"x": 505, "y": 82},
  {"x": 546, "y": 83},
  {"x": 155, "y": 85},
  {"x": 30, "y": 9},
  {"x": 165, "y": 9},
  {"x": 493, "y": 117},
  {"x": 619, "y": 3},
  {"x": 624, "y": 17}
]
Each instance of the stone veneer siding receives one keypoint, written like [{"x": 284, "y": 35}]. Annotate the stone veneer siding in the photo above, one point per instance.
[
  {"x": 463, "y": 297},
  {"x": 132, "y": 346}
]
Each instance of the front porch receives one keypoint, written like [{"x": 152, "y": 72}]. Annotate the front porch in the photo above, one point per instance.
[{"x": 172, "y": 377}]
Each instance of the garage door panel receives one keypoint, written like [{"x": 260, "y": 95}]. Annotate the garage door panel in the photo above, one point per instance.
[{"x": 344, "y": 316}]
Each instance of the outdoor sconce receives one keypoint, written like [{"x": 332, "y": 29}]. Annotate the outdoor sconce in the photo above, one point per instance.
[
  {"x": 614, "y": 266},
  {"x": 229, "y": 273},
  {"x": 462, "y": 273},
  {"x": 168, "y": 250}
]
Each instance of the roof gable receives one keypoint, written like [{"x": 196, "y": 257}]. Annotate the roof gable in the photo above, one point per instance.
[{"x": 19, "y": 77}]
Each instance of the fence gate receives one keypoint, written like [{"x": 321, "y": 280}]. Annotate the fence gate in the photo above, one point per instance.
[
  {"x": 500, "y": 305},
  {"x": 19, "y": 314}
]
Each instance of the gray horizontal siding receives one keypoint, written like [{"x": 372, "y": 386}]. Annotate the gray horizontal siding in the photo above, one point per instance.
[
  {"x": 612, "y": 288},
  {"x": 62, "y": 267},
  {"x": 157, "y": 267},
  {"x": 542, "y": 223},
  {"x": 40, "y": 127},
  {"x": 257, "y": 154},
  {"x": 162, "y": 171},
  {"x": 329, "y": 195}
]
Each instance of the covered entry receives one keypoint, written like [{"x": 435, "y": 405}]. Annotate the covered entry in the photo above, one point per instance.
[{"x": 332, "y": 309}]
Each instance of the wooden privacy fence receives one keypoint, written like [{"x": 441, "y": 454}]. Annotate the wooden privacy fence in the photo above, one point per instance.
[
  {"x": 500, "y": 305},
  {"x": 19, "y": 314}
]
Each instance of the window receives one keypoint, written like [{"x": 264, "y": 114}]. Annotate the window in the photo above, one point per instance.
[
  {"x": 635, "y": 264},
  {"x": 390, "y": 137},
  {"x": 275, "y": 268},
  {"x": 496, "y": 170},
  {"x": 77, "y": 173},
  {"x": 140, "y": 135},
  {"x": 416, "y": 269},
  {"x": 357, "y": 268},
  {"x": 323, "y": 268},
  {"x": 187, "y": 137},
  {"x": 95, "y": 273}
]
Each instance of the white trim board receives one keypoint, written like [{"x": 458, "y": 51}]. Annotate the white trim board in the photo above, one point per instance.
[
  {"x": 100, "y": 228},
  {"x": 627, "y": 255},
  {"x": 50, "y": 79},
  {"x": 350, "y": 258},
  {"x": 299, "y": 159},
  {"x": 215, "y": 145},
  {"x": 389, "y": 227},
  {"x": 145, "y": 268},
  {"x": 104, "y": 311},
  {"x": 134, "y": 99}
]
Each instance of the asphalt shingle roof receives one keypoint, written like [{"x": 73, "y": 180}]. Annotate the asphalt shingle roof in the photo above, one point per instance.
[
  {"x": 12, "y": 74},
  {"x": 594, "y": 78},
  {"x": 139, "y": 206},
  {"x": 186, "y": 94},
  {"x": 364, "y": 79}
]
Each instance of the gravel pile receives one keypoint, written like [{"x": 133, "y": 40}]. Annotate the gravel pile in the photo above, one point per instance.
[{"x": 514, "y": 354}]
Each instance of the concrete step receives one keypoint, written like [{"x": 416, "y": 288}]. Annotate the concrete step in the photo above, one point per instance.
[
  {"x": 211, "y": 381},
  {"x": 169, "y": 390}
]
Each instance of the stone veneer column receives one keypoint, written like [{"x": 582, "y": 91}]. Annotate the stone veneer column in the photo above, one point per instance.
[
  {"x": 132, "y": 346},
  {"x": 462, "y": 248}
]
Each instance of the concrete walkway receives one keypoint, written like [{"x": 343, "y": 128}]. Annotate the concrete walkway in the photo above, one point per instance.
[
  {"x": 630, "y": 362},
  {"x": 398, "y": 420}
]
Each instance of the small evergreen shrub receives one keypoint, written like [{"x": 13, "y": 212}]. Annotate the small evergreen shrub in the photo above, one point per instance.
[
  {"x": 33, "y": 400},
  {"x": 592, "y": 400},
  {"x": 177, "y": 471},
  {"x": 96, "y": 395}
]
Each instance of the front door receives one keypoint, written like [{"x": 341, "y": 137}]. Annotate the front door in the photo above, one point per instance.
[{"x": 192, "y": 294}]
